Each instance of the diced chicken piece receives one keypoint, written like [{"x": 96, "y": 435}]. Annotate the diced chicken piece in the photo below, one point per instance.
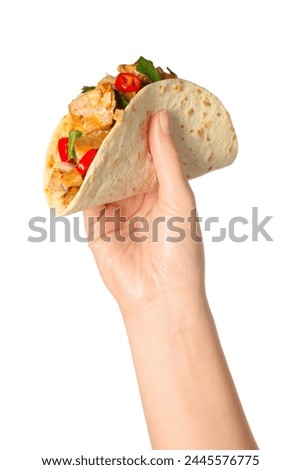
[
  {"x": 55, "y": 182},
  {"x": 95, "y": 108},
  {"x": 105, "y": 87},
  {"x": 77, "y": 123},
  {"x": 118, "y": 115},
  {"x": 71, "y": 179},
  {"x": 67, "y": 198},
  {"x": 93, "y": 140},
  {"x": 107, "y": 79},
  {"x": 123, "y": 68},
  {"x": 62, "y": 180}
]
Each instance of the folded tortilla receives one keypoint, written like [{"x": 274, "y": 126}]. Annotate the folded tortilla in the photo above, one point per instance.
[{"x": 201, "y": 128}]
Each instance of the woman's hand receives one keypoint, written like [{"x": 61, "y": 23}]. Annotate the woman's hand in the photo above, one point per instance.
[
  {"x": 188, "y": 395},
  {"x": 168, "y": 258}
]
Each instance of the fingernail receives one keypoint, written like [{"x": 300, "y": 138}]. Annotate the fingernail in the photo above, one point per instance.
[{"x": 164, "y": 122}]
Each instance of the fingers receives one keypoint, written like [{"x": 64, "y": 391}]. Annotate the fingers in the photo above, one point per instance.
[
  {"x": 92, "y": 217},
  {"x": 103, "y": 221},
  {"x": 173, "y": 184}
]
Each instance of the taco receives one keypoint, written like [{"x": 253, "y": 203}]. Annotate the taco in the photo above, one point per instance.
[{"x": 99, "y": 152}]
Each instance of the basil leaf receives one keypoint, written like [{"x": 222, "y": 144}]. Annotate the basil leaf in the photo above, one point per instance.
[
  {"x": 171, "y": 72},
  {"x": 71, "y": 151},
  {"x": 121, "y": 101},
  {"x": 147, "y": 67},
  {"x": 87, "y": 88}
]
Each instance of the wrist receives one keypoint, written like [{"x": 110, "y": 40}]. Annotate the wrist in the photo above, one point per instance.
[{"x": 166, "y": 315}]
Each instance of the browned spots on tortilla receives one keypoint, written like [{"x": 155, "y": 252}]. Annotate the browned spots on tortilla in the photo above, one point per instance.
[
  {"x": 139, "y": 155},
  {"x": 206, "y": 102},
  {"x": 190, "y": 149},
  {"x": 182, "y": 138},
  {"x": 184, "y": 163},
  {"x": 218, "y": 114},
  {"x": 134, "y": 189},
  {"x": 234, "y": 137},
  {"x": 205, "y": 115},
  {"x": 198, "y": 90},
  {"x": 210, "y": 157},
  {"x": 188, "y": 176},
  {"x": 208, "y": 124},
  {"x": 50, "y": 162},
  {"x": 163, "y": 88},
  {"x": 191, "y": 131},
  {"x": 182, "y": 126},
  {"x": 115, "y": 161},
  {"x": 200, "y": 132},
  {"x": 190, "y": 112},
  {"x": 133, "y": 108},
  {"x": 178, "y": 87},
  {"x": 210, "y": 168},
  {"x": 186, "y": 98},
  {"x": 144, "y": 128},
  {"x": 208, "y": 138},
  {"x": 230, "y": 148}
]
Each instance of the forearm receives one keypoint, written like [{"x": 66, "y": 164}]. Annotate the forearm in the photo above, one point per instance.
[{"x": 187, "y": 392}]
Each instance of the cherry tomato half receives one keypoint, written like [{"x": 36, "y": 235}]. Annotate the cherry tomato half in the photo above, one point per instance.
[{"x": 127, "y": 83}]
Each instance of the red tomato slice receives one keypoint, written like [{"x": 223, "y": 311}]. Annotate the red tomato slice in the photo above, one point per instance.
[
  {"x": 84, "y": 163},
  {"x": 63, "y": 148},
  {"x": 127, "y": 83}
]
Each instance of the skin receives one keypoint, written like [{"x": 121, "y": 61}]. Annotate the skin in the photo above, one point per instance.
[{"x": 187, "y": 392}]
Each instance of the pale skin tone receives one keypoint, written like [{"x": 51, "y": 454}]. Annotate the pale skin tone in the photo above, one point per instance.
[{"x": 188, "y": 395}]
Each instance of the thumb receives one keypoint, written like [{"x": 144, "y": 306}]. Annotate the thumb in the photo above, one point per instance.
[{"x": 173, "y": 184}]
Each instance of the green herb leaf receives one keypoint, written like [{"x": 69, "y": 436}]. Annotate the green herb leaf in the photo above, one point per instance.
[
  {"x": 121, "y": 101},
  {"x": 71, "y": 151},
  {"x": 87, "y": 88},
  {"x": 172, "y": 73},
  {"x": 147, "y": 67},
  {"x": 124, "y": 101}
]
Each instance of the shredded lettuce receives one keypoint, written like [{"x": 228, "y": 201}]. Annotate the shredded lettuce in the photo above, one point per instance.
[
  {"x": 71, "y": 151},
  {"x": 147, "y": 67}
]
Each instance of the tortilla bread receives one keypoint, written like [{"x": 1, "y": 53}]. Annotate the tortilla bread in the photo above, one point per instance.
[{"x": 201, "y": 128}]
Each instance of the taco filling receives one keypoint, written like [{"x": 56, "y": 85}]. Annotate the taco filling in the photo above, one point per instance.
[{"x": 92, "y": 115}]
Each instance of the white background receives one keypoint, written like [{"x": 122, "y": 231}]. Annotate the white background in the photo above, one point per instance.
[{"x": 67, "y": 382}]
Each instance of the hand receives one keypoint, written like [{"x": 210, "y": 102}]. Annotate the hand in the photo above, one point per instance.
[
  {"x": 138, "y": 272},
  {"x": 188, "y": 396}
]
